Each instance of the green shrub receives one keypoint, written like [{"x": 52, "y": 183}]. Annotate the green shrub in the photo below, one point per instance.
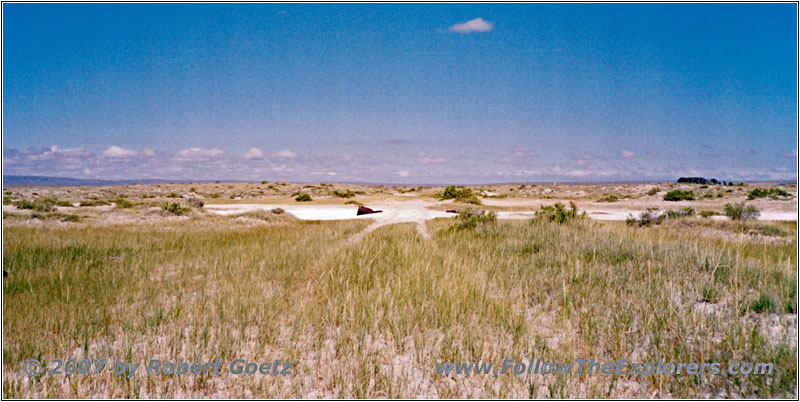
[
  {"x": 757, "y": 229},
  {"x": 175, "y": 208},
  {"x": 679, "y": 195},
  {"x": 24, "y": 204},
  {"x": 72, "y": 218},
  {"x": 303, "y": 197},
  {"x": 706, "y": 214},
  {"x": 471, "y": 218},
  {"x": 38, "y": 205},
  {"x": 773, "y": 193},
  {"x": 344, "y": 194},
  {"x": 353, "y": 202},
  {"x": 646, "y": 218},
  {"x": 558, "y": 213},
  {"x": 653, "y": 191},
  {"x": 680, "y": 213},
  {"x": 93, "y": 203},
  {"x": 123, "y": 203},
  {"x": 740, "y": 211},
  {"x": 459, "y": 194},
  {"x": 769, "y": 230},
  {"x": 609, "y": 198}
]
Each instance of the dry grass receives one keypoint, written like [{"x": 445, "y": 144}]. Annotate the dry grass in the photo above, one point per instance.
[{"x": 371, "y": 318}]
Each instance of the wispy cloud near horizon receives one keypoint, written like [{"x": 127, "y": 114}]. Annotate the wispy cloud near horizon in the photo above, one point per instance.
[{"x": 407, "y": 167}]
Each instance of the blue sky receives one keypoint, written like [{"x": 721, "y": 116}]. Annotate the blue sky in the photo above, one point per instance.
[{"x": 406, "y": 93}]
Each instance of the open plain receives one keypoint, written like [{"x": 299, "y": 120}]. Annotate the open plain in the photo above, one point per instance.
[{"x": 365, "y": 306}]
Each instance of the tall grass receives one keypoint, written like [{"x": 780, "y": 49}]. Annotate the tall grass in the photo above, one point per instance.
[{"x": 370, "y": 319}]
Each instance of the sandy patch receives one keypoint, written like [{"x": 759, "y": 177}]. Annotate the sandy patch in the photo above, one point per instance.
[
  {"x": 619, "y": 211},
  {"x": 419, "y": 211}
]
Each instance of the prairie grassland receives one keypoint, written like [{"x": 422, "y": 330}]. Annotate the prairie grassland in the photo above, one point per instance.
[{"x": 371, "y": 318}]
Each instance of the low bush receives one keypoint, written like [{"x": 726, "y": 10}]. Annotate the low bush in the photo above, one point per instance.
[
  {"x": 679, "y": 195},
  {"x": 72, "y": 218},
  {"x": 93, "y": 203},
  {"x": 38, "y": 205},
  {"x": 761, "y": 230},
  {"x": 609, "y": 198},
  {"x": 460, "y": 194},
  {"x": 344, "y": 194},
  {"x": 740, "y": 211},
  {"x": 706, "y": 214},
  {"x": 175, "y": 208},
  {"x": 24, "y": 204},
  {"x": 558, "y": 213},
  {"x": 679, "y": 213},
  {"x": 773, "y": 193},
  {"x": 57, "y": 202},
  {"x": 303, "y": 197},
  {"x": 651, "y": 216},
  {"x": 471, "y": 218},
  {"x": 123, "y": 203}
]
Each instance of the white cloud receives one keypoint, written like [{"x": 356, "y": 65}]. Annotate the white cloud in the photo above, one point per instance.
[
  {"x": 422, "y": 158},
  {"x": 285, "y": 154},
  {"x": 55, "y": 152},
  {"x": 526, "y": 172},
  {"x": 116, "y": 152},
  {"x": 253, "y": 153},
  {"x": 402, "y": 173},
  {"x": 282, "y": 169},
  {"x": 627, "y": 154},
  {"x": 189, "y": 154},
  {"x": 476, "y": 25}
]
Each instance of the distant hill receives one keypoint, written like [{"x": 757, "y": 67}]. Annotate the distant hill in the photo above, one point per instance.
[{"x": 13, "y": 181}]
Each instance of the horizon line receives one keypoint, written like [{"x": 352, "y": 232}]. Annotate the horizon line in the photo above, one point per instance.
[{"x": 152, "y": 181}]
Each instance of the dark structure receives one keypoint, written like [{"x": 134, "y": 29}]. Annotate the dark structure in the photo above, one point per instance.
[
  {"x": 366, "y": 211},
  {"x": 702, "y": 180}
]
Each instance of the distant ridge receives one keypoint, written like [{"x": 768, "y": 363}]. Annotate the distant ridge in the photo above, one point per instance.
[{"x": 15, "y": 181}]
